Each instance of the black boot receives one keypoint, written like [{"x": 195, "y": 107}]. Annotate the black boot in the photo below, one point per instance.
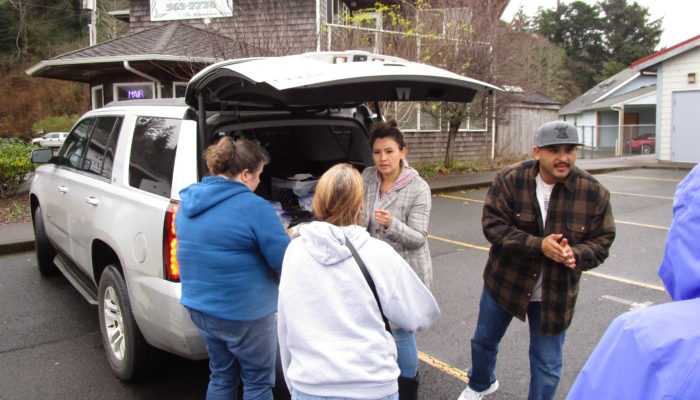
[{"x": 408, "y": 388}]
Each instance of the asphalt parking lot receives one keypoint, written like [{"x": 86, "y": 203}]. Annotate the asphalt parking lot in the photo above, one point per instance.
[{"x": 49, "y": 337}]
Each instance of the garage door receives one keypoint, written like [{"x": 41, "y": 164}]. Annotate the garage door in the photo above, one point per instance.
[{"x": 685, "y": 127}]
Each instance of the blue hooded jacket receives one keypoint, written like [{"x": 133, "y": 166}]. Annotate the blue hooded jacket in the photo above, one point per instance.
[
  {"x": 654, "y": 353},
  {"x": 230, "y": 246}
]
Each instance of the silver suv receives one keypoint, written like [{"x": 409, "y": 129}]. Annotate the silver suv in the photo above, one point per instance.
[{"x": 103, "y": 207}]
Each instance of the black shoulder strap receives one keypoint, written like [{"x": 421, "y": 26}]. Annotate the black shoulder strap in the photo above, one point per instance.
[{"x": 369, "y": 280}]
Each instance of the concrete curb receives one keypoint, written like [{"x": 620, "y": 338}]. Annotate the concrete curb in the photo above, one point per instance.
[{"x": 16, "y": 247}]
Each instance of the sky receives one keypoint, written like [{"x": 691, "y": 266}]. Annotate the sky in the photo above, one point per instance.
[{"x": 680, "y": 16}]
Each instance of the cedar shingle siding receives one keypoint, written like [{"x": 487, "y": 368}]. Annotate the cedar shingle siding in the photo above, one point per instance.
[
  {"x": 429, "y": 147},
  {"x": 259, "y": 28}
]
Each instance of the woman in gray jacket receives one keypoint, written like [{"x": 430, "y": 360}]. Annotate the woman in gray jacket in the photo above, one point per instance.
[{"x": 397, "y": 210}]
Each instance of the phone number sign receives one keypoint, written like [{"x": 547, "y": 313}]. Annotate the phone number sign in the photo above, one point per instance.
[{"x": 168, "y": 10}]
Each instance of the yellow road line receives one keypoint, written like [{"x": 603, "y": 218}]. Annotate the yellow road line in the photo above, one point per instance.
[
  {"x": 643, "y": 178},
  {"x": 643, "y": 225},
  {"x": 643, "y": 195},
  {"x": 461, "y": 198},
  {"x": 444, "y": 367},
  {"x": 473, "y": 246},
  {"x": 624, "y": 280}
]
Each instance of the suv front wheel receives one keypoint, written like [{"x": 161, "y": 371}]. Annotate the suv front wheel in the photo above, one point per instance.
[{"x": 123, "y": 342}]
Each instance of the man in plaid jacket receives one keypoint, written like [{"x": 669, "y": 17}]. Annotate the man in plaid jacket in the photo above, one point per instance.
[{"x": 547, "y": 221}]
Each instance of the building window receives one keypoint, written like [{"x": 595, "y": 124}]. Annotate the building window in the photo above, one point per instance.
[
  {"x": 336, "y": 11},
  {"x": 179, "y": 89},
  {"x": 132, "y": 91},
  {"x": 98, "y": 96},
  {"x": 412, "y": 116}
]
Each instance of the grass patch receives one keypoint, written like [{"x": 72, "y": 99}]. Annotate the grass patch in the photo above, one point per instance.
[{"x": 461, "y": 167}]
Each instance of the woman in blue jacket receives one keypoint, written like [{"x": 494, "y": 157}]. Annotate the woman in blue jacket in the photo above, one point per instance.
[{"x": 230, "y": 250}]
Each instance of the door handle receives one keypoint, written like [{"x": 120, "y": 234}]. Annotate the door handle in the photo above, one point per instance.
[
  {"x": 93, "y": 201},
  {"x": 63, "y": 189}
]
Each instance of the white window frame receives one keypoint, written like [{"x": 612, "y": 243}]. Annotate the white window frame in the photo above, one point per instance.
[
  {"x": 93, "y": 96},
  {"x": 116, "y": 86},
  {"x": 337, "y": 10},
  {"x": 417, "y": 106},
  {"x": 467, "y": 123},
  {"x": 178, "y": 84}
]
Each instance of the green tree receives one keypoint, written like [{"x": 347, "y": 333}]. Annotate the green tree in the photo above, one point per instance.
[
  {"x": 629, "y": 35},
  {"x": 610, "y": 68},
  {"x": 578, "y": 29},
  {"x": 599, "y": 38}
]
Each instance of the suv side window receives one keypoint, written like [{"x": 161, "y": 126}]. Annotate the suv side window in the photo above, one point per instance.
[
  {"x": 74, "y": 146},
  {"x": 100, "y": 151},
  {"x": 153, "y": 154}
]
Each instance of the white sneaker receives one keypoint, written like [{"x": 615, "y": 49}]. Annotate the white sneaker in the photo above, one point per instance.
[{"x": 471, "y": 394}]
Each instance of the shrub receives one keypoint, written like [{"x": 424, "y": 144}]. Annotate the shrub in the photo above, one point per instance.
[
  {"x": 60, "y": 123},
  {"x": 15, "y": 164}
]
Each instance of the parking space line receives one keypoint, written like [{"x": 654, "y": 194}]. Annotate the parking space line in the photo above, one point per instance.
[
  {"x": 643, "y": 195},
  {"x": 642, "y": 225},
  {"x": 444, "y": 367},
  {"x": 596, "y": 274},
  {"x": 632, "y": 304},
  {"x": 643, "y": 178},
  {"x": 486, "y": 248},
  {"x": 461, "y": 198},
  {"x": 625, "y": 280},
  {"x": 473, "y": 246}
]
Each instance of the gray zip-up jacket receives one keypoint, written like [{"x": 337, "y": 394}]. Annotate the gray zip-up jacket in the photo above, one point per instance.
[{"x": 409, "y": 206}]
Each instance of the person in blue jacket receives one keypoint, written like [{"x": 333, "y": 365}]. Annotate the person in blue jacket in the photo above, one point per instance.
[
  {"x": 230, "y": 249},
  {"x": 654, "y": 352}
]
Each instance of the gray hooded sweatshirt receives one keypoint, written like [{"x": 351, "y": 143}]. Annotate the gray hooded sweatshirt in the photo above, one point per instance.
[{"x": 332, "y": 338}]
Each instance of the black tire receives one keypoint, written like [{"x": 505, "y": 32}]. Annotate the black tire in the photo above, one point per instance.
[
  {"x": 45, "y": 252},
  {"x": 127, "y": 351},
  {"x": 646, "y": 149}
]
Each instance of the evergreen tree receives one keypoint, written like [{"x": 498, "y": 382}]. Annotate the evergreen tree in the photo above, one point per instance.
[{"x": 599, "y": 39}]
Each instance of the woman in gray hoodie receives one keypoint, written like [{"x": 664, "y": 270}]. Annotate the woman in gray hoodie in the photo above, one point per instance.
[{"x": 333, "y": 341}]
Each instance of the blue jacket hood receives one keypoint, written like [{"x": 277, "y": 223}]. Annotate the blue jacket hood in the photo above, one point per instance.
[
  {"x": 198, "y": 198},
  {"x": 680, "y": 268}
]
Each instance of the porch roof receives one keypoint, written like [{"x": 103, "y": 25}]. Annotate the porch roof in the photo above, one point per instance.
[
  {"x": 169, "y": 44},
  {"x": 643, "y": 96}
]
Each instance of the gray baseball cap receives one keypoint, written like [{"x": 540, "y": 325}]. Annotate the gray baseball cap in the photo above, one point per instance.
[{"x": 557, "y": 132}]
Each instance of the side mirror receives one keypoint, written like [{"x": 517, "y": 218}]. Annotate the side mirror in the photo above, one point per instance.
[{"x": 42, "y": 156}]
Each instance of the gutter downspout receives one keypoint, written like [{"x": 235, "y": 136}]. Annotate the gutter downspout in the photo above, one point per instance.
[
  {"x": 143, "y": 75},
  {"x": 493, "y": 124},
  {"x": 318, "y": 25},
  {"x": 620, "y": 121}
]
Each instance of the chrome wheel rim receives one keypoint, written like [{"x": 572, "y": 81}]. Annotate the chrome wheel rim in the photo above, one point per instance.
[{"x": 114, "y": 325}]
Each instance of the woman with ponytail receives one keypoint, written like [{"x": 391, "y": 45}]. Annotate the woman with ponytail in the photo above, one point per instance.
[{"x": 230, "y": 250}]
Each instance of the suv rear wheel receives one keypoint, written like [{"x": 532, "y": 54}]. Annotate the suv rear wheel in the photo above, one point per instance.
[
  {"x": 123, "y": 342},
  {"x": 45, "y": 251}
]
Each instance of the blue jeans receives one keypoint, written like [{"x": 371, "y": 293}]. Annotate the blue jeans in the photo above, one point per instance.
[
  {"x": 545, "y": 351},
  {"x": 407, "y": 352},
  {"x": 239, "y": 350},
  {"x": 297, "y": 395}
]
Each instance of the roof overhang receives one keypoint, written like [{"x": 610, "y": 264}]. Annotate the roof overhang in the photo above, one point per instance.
[
  {"x": 645, "y": 96},
  {"x": 85, "y": 69}
]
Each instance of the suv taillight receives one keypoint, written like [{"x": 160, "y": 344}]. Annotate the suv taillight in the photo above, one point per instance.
[{"x": 172, "y": 269}]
